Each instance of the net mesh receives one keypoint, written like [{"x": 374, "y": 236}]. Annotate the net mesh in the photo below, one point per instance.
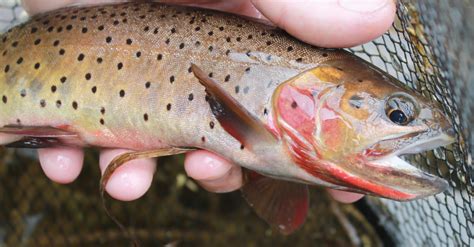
[{"x": 429, "y": 48}]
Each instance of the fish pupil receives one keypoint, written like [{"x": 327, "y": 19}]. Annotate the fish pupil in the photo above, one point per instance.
[{"x": 398, "y": 117}]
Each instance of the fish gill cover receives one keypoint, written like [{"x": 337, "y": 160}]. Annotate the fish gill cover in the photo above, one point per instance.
[{"x": 429, "y": 48}]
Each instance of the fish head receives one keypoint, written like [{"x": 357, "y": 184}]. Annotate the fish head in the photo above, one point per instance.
[{"x": 346, "y": 122}]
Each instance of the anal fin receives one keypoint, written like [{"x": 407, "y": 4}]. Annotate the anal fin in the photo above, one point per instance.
[
  {"x": 282, "y": 204},
  {"x": 38, "y": 137}
]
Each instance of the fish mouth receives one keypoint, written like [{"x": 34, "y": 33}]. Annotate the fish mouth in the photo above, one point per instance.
[{"x": 399, "y": 180}]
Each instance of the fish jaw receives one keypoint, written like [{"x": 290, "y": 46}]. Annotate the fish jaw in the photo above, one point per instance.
[{"x": 358, "y": 148}]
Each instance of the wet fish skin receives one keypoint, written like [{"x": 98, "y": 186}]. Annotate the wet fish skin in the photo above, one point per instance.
[
  {"x": 121, "y": 76},
  {"x": 133, "y": 68}
]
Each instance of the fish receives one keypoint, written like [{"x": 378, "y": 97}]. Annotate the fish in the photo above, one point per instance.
[{"x": 163, "y": 79}]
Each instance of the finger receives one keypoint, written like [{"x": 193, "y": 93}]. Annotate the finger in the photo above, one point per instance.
[
  {"x": 344, "y": 196},
  {"x": 213, "y": 172},
  {"x": 331, "y": 23},
  {"x": 131, "y": 180},
  {"x": 38, "y": 6},
  {"x": 62, "y": 165}
]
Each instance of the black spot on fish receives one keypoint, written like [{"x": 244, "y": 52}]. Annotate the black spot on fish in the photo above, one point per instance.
[
  {"x": 37, "y": 65},
  {"x": 100, "y": 28},
  {"x": 159, "y": 57},
  {"x": 61, "y": 52},
  {"x": 80, "y": 57},
  {"x": 43, "y": 103},
  {"x": 237, "y": 89},
  {"x": 197, "y": 28},
  {"x": 74, "y": 105},
  {"x": 228, "y": 39},
  {"x": 168, "y": 107},
  {"x": 69, "y": 27},
  {"x": 190, "y": 97},
  {"x": 250, "y": 36},
  {"x": 122, "y": 93},
  {"x": 116, "y": 23},
  {"x": 15, "y": 44},
  {"x": 108, "y": 39},
  {"x": 147, "y": 84},
  {"x": 290, "y": 48},
  {"x": 167, "y": 41},
  {"x": 7, "y": 68},
  {"x": 299, "y": 60},
  {"x": 294, "y": 104},
  {"x": 23, "y": 93},
  {"x": 102, "y": 110},
  {"x": 58, "y": 103},
  {"x": 99, "y": 60},
  {"x": 88, "y": 76},
  {"x": 325, "y": 54},
  {"x": 63, "y": 79},
  {"x": 145, "y": 117},
  {"x": 203, "y": 139},
  {"x": 181, "y": 46},
  {"x": 221, "y": 28},
  {"x": 56, "y": 43},
  {"x": 138, "y": 54},
  {"x": 155, "y": 31},
  {"x": 101, "y": 121},
  {"x": 59, "y": 29},
  {"x": 94, "y": 89},
  {"x": 210, "y": 33},
  {"x": 210, "y": 48},
  {"x": 227, "y": 78},
  {"x": 129, "y": 41},
  {"x": 53, "y": 88},
  {"x": 173, "y": 30},
  {"x": 37, "y": 41},
  {"x": 19, "y": 61},
  {"x": 211, "y": 125},
  {"x": 146, "y": 29},
  {"x": 242, "y": 146},
  {"x": 119, "y": 66},
  {"x": 265, "y": 111},
  {"x": 4, "y": 99},
  {"x": 34, "y": 30},
  {"x": 172, "y": 79}
]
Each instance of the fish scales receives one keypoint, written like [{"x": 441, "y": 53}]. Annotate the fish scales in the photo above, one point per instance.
[
  {"x": 161, "y": 79},
  {"x": 120, "y": 75}
]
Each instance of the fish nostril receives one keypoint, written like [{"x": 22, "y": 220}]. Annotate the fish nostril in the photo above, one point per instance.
[{"x": 451, "y": 132}]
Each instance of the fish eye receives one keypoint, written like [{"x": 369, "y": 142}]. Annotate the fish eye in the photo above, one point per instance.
[
  {"x": 398, "y": 117},
  {"x": 400, "y": 109}
]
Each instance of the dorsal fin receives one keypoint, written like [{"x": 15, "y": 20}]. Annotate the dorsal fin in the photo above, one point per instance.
[{"x": 232, "y": 116}]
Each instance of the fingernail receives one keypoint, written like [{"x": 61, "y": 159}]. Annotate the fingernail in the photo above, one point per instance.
[{"x": 364, "y": 6}]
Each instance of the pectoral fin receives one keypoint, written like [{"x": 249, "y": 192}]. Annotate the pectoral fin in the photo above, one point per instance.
[
  {"x": 39, "y": 137},
  {"x": 232, "y": 116},
  {"x": 282, "y": 204}
]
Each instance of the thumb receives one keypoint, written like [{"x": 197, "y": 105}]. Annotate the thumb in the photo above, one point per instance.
[{"x": 330, "y": 23}]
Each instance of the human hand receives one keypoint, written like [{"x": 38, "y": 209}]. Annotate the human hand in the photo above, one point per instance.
[{"x": 325, "y": 23}]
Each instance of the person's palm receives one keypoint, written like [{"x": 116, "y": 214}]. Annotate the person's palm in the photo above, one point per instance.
[{"x": 325, "y": 23}]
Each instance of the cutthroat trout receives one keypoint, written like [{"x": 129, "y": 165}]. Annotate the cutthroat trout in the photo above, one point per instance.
[{"x": 162, "y": 80}]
